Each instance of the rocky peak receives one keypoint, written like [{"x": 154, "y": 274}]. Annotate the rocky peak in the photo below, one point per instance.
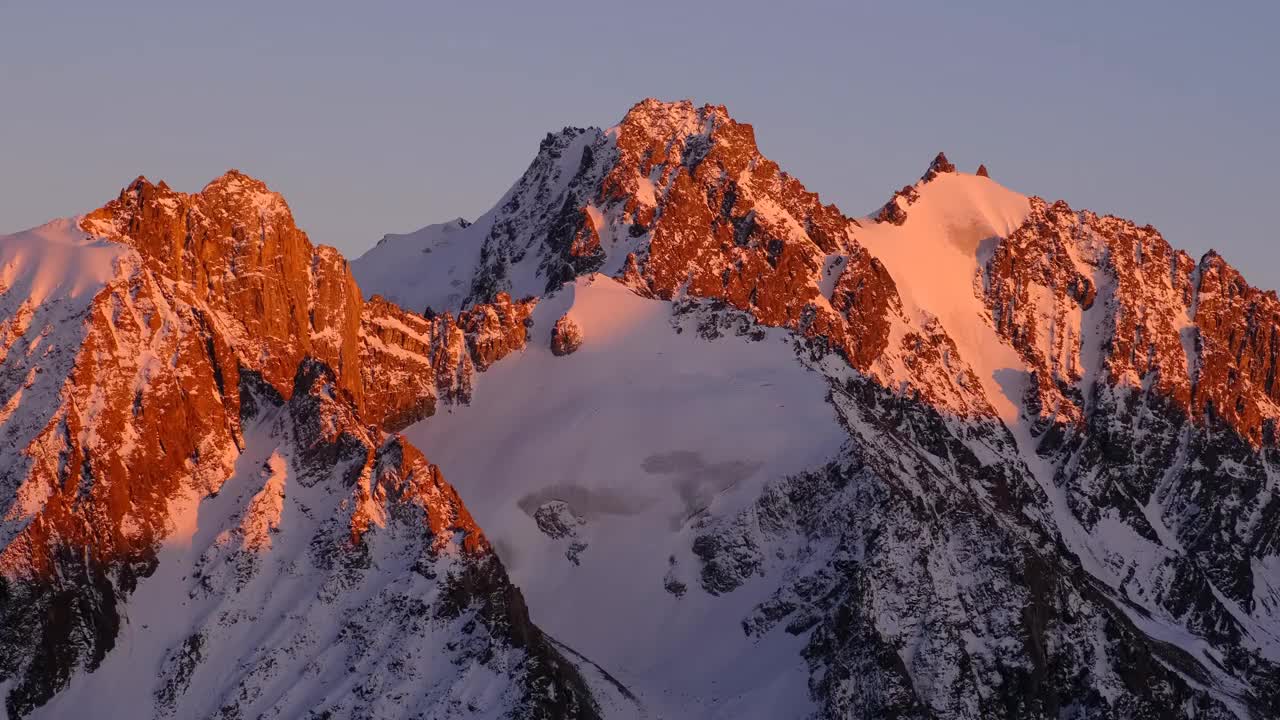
[
  {"x": 231, "y": 207},
  {"x": 228, "y": 321},
  {"x": 656, "y": 135},
  {"x": 277, "y": 297},
  {"x": 939, "y": 166},
  {"x": 895, "y": 211},
  {"x": 982, "y": 171},
  {"x": 728, "y": 224},
  {"x": 1238, "y": 337},
  {"x": 246, "y": 198},
  {"x": 671, "y": 120},
  {"x": 679, "y": 198}
]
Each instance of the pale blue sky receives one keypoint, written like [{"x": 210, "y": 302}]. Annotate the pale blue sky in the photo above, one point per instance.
[{"x": 382, "y": 117}]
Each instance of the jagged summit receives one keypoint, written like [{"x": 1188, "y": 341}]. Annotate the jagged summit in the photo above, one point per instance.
[
  {"x": 234, "y": 181},
  {"x": 231, "y": 200},
  {"x": 141, "y": 182},
  {"x": 169, "y": 346},
  {"x": 939, "y": 166},
  {"x": 671, "y": 112}
]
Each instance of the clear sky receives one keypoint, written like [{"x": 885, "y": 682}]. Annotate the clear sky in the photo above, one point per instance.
[{"x": 383, "y": 117}]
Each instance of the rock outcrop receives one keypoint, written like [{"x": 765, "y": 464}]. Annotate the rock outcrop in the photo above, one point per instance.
[{"x": 566, "y": 336}]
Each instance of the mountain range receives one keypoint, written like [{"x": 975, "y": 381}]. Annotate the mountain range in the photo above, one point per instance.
[{"x": 713, "y": 448}]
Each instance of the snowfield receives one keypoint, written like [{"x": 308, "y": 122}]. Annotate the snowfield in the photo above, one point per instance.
[{"x": 639, "y": 433}]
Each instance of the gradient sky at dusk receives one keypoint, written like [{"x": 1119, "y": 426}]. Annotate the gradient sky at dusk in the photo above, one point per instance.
[{"x": 383, "y": 117}]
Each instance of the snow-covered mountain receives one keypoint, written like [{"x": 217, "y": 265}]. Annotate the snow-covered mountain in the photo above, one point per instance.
[
  {"x": 200, "y": 518},
  {"x": 971, "y": 455},
  {"x": 1052, "y": 495}
]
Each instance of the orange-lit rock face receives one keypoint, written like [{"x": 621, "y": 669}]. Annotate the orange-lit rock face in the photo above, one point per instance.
[
  {"x": 410, "y": 362},
  {"x": 727, "y": 223},
  {"x": 219, "y": 309},
  {"x": 235, "y": 243},
  {"x": 131, "y": 430},
  {"x": 496, "y": 329},
  {"x": 389, "y": 478},
  {"x": 274, "y": 298},
  {"x": 399, "y": 351},
  {"x": 151, "y": 409},
  {"x": 1069, "y": 287},
  {"x": 1238, "y": 334},
  {"x": 401, "y": 481}
]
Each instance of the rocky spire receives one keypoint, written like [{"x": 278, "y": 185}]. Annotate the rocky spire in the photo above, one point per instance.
[
  {"x": 939, "y": 166},
  {"x": 982, "y": 171}
]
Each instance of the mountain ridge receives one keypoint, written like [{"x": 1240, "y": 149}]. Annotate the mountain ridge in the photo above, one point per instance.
[
  {"x": 689, "y": 210},
  {"x": 130, "y": 406},
  {"x": 1053, "y": 495}
]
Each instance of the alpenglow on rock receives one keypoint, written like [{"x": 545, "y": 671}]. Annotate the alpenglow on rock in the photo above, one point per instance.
[{"x": 200, "y": 521}]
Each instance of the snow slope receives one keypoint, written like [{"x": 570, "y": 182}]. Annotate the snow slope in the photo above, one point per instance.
[
  {"x": 452, "y": 265},
  {"x": 639, "y": 433},
  {"x": 54, "y": 262},
  {"x": 430, "y": 267},
  {"x": 935, "y": 258},
  {"x": 261, "y": 607}
]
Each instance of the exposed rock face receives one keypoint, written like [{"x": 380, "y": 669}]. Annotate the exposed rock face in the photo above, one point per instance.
[
  {"x": 982, "y": 171},
  {"x": 939, "y": 166},
  {"x": 1153, "y": 405},
  {"x": 1236, "y": 329},
  {"x": 407, "y": 361},
  {"x": 496, "y": 329},
  {"x": 410, "y": 361},
  {"x": 731, "y": 225},
  {"x": 542, "y": 233},
  {"x": 566, "y": 336},
  {"x": 235, "y": 243},
  {"x": 214, "y": 310},
  {"x": 87, "y": 498},
  {"x": 895, "y": 211},
  {"x": 276, "y": 298},
  {"x": 724, "y": 222},
  {"x": 679, "y": 197},
  {"x": 557, "y": 520}
]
